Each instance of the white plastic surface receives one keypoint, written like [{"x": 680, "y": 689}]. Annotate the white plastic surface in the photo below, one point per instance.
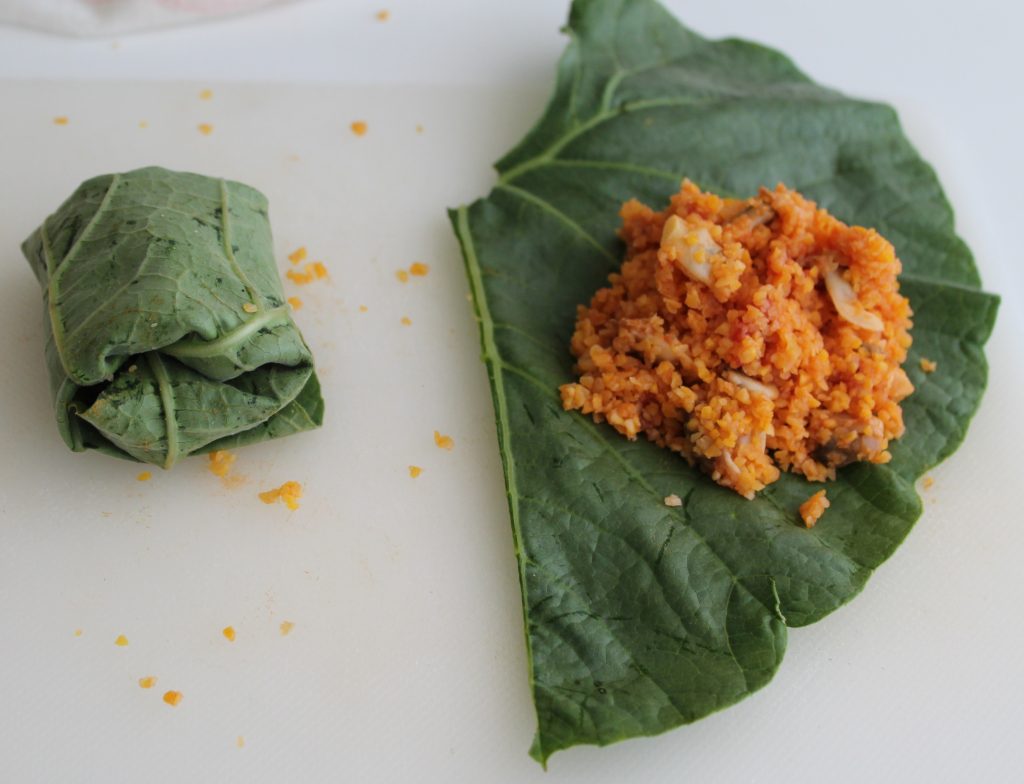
[{"x": 406, "y": 662}]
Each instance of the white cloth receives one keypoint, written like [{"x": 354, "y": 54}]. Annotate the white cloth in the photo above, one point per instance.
[{"x": 116, "y": 17}]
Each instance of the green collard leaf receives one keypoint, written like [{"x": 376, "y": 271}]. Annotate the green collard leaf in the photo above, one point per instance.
[
  {"x": 168, "y": 332},
  {"x": 641, "y": 617}
]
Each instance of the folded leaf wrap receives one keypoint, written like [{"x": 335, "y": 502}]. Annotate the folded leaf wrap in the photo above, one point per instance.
[{"x": 167, "y": 328}]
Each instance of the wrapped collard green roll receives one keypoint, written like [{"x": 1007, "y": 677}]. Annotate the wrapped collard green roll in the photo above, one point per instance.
[{"x": 168, "y": 330}]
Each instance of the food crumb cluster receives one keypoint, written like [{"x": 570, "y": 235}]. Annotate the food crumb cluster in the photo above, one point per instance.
[
  {"x": 289, "y": 493},
  {"x": 813, "y": 508}
]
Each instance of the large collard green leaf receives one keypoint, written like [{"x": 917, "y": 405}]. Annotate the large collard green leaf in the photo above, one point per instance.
[
  {"x": 167, "y": 328},
  {"x": 641, "y": 617}
]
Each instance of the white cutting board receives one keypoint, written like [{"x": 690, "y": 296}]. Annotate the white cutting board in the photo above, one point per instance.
[{"x": 406, "y": 661}]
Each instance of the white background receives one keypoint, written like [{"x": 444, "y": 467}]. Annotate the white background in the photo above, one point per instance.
[{"x": 406, "y": 662}]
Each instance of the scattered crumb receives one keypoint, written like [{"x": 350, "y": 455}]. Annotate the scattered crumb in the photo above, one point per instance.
[
  {"x": 221, "y": 461},
  {"x": 60, "y": 121},
  {"x": 205, "y": 95},
  {"x": 313, "y": 271},
  {"x": 415, "y": 471},
  {"x": 813, "y": 508},
  {"x": 359, "y": 128},
  {"x": 300, "y": 278},
  {"x": 402, "y": 275},
  {"x": 298, "y": 255},
  {"x": 383, "y": 15},
  {"x": 240, "y": 742},
  {"x": 419, "y": 269},
  {"x": 249, "y": 307},
  {"x": 147, "y": 682},
  {"x": 78, "y": 632},
  {"x": 286, "y": 627},
  {"x": 363, "y": 308},
  {"x": 673, "y": 500},
  {"x": 406, "y": 321},
  {"x": 172, "y": 697},
  {"x": 928, "y": 366},
  {"x": 143, "y": 124},
  {"x": 419, "y": 128},
  {"x": 289, "y": 492},
  {"x": 145, "y": 476},
  {"x": 444, "y": 442},
  {"x": 121, "y": 640},
  {"x": 205, "y": 128},
  {"x": 928, "y": 482},
  {"x": 293, "y": 158},
  {"x": 229, "y": 633},
  {"x": 295, "y": 302}
]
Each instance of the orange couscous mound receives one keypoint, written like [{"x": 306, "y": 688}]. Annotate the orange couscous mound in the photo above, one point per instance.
[{"x": 749, "y": 336}]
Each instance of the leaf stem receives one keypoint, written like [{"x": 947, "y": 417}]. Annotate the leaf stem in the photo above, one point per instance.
[
  {"x": 163, "y": 382},
  {"x": 195, "y": 348}
]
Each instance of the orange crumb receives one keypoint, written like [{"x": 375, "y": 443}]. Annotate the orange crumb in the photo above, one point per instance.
[
  {"x": 301, "y": 278},
  {"x": 419, "y": 129},
  {"x": 289, "y": 492},
  {"x": 673, "y": 500},
  {"x": 229, "y": 633},
  {"x": 419, "y": 269},
  {"x": 297, "y": 255},
  {"x": 78, "y": 632},
  {"x": 406, "y": 321},
  {"x": 249, "y": 307},
  {"x": 205, "y": 95},
  {"x": 318, "y": 269},
  {"x": 286, "y": 627},
  {"x": 813, "y": 508},
  {"x": 295, "y": 302},
  {"x": 143, "y": 124},
  {"x": 359, "y": 127},
  {"x": 928, "y": 366},
  {"x": 928, "y": 482},
  {"x": 220, "y": 462},
  {"x": 402, "y": 275},
  {"x": 240, "y": 741},
  {"x": 145, "y": 476},
  {"x": 172, "y": 697},
  {"x": 444, "y": 442},
  {"x": 363, "y": 308},
  {"x": 205, "y": 128},
  {"x": 415, "y": 471},
  {"x": 383, "y": 15},
  {"x": 121, "y": 640},
  {"x": 60, "y": 121},
  {"x": 147, "y": 682}
]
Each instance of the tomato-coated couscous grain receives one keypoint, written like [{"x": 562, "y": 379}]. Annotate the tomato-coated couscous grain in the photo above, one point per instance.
[
  {"x": 289, "y": 493},
  {"x": 749, "y": 336},
  {"x": 813, "y": 508}
]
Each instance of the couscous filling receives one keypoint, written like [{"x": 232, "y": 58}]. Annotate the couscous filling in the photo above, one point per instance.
[{"x": 750, "y": 336}]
